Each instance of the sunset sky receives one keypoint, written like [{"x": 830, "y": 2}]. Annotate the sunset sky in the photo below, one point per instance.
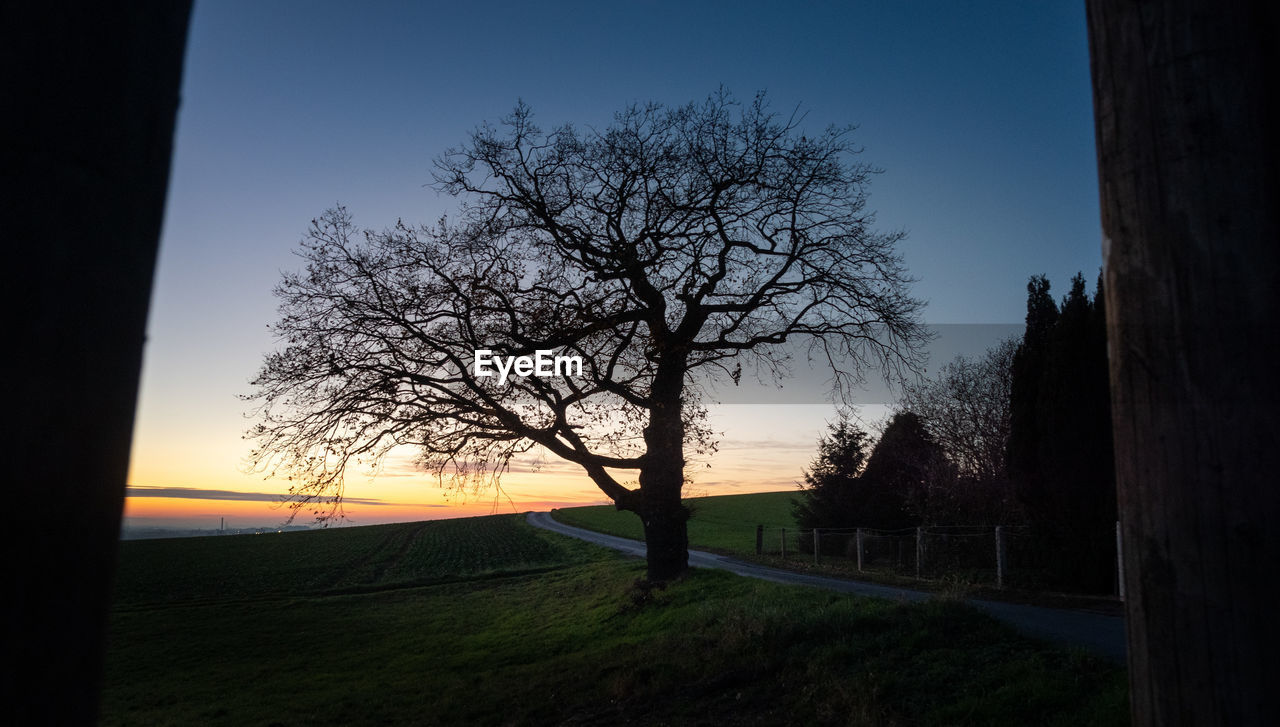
[{"x": 979, "y": 115}]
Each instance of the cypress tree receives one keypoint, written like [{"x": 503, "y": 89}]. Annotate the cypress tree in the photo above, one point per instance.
[
  {"x": 1060, "y": 450},
  {"x": 1029, "y": 361}
]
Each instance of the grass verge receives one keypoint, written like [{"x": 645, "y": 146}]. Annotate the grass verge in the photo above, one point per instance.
[{"x": 725, "y": 523}]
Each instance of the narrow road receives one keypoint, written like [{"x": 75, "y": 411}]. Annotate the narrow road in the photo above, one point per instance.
[{"x": 1096, "y": 632}]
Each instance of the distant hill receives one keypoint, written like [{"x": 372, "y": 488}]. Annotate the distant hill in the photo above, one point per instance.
[
  {"x": 719, "y": 522},
  {"x": 152, "y": 533}
]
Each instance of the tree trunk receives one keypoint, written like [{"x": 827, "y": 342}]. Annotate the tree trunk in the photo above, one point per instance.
[
  {"x": 666, "y": 540},
  {"x": 662, "y": 478},
  {"x": 1187, "y": 158}
]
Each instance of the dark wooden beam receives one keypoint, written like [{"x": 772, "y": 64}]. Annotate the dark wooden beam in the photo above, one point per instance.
[
  {"x": 89, "y": 97},
  {"x": 1185, "y": 111}
]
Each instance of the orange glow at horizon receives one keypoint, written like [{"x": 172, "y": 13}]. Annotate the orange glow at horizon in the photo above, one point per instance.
[
  {"x": 208, "y": 514},
  {"x": 762, "y": 448}
]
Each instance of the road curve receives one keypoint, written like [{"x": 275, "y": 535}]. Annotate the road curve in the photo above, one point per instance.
[{"x": 1096, "y": 632}]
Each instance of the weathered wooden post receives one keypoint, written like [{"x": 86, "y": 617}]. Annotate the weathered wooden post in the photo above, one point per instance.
[
  {"x": 999, "y": 556},
  {"x": 92, "y": 91},
  {"x": 1119, "y": 563},
  {"x": 817, "y": 545},
  {"x": 759, "y": 539},
  {"x": 784, "y": 542},
  {"x": 919, "y": 549},
  {"x": 1185, "y": 118},
  {"x": 858, "y": 537}
]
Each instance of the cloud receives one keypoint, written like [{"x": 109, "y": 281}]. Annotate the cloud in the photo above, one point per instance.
[
  {"x": 769, "y": 444},
  {"x": 758, "y": 485},
  {"x": 196, "y": 493},
  {"x": 528, "y": 463}
]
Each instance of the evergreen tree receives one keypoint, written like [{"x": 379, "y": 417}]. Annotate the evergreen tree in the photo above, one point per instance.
[
  {"x": 830, "y": 483},
  {"x": 906, "y": 478},
  {"x": 894, "y": 487},
  {"x": 1060, "y": 451},
  {"x": 1029, "y": 363}
]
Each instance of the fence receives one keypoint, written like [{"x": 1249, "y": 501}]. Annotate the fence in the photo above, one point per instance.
[{"x": 999, "y": 556}]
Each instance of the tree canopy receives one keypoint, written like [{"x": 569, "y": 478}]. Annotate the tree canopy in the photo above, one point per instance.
[{"x": 672, "y": 247}]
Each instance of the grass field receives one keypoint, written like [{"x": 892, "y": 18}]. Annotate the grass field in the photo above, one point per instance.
[
  {"x": 725, "y": 523},
  {"x": 489, "y": 621},
  {"x": 336, "y": 560}
]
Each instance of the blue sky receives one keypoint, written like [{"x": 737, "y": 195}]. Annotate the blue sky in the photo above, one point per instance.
[{"x": 979, "y": 113}]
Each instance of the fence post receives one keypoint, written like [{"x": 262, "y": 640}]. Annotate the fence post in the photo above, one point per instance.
[
  {"x": 759, "y": 539},
  {"x": 784, "y": 543},
  {"x": 999, "y": 556},
  {"x": 1119, "y": 563},
  {"x": 858, "y": 538},
  {"x": 919, "y": 548},
  {"x": 817, "y": 545}
]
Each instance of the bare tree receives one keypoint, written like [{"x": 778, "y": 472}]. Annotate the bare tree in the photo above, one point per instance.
[
  {"x": 965, "y": 409},
  {"x": 663, "y": 251}
]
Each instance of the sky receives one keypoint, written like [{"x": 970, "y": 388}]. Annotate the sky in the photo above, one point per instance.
[{"x": 979, "y": 114}]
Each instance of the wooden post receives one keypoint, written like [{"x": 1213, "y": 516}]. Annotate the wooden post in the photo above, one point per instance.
[
  {"x": 92, "y": 91},
  {"x": 919, "y": 549},
  {"x": 1185, "y": 113},
  {"x": 759, "y": 539},
  {"x": 784, "y": 542},
  {"x": 858, "y": 538},
  {"x": 817, "y": 545},
  {"x": 1119, "y": 563},
  {"x": 999, "y": 556}
]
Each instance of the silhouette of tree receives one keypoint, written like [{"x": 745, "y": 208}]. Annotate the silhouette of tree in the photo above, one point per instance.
[
  {"x": 890, "y": 488},
  {"x": 831, "y": 495},
  {"x": 1029, "y": 361},
  {"x": 674, "y": 246},
  {"x": 1060, "y": 451},
  {"x": 906, "y": 477}
]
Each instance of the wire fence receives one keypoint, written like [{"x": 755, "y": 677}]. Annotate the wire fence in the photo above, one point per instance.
[{"x": 1000, "y": 556}]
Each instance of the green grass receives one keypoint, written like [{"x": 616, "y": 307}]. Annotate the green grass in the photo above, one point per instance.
[
  {"x": 545, "y": 630},
  {"x": 725, "y": 523}
]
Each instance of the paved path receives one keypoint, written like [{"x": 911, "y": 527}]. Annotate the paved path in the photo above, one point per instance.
[{"x": 1096, "y": 632}]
